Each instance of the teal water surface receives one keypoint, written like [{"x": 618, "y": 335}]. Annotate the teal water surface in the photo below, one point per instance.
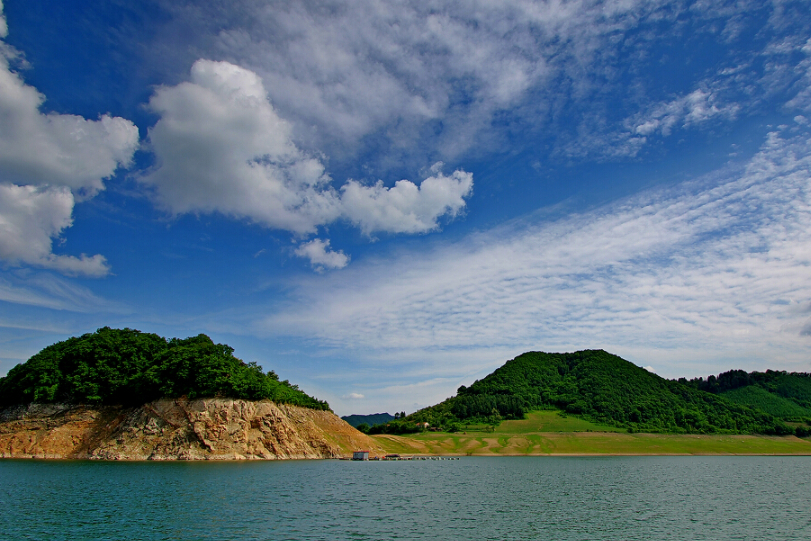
[{"x": 549, "y": 498}]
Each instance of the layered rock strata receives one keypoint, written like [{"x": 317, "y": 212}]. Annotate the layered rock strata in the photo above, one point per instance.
[{"x": 177, "y": 429}]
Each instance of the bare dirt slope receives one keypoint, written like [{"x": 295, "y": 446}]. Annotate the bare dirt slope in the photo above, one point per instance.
[{"x": 169, "y": 429}]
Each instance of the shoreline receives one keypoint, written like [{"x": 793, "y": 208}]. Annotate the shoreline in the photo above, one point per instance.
[
  {"x": 415, "y": 458},
  {"x": 594, "y": 444},
  {"x": 448, "y": 446},
  {"x": 227, "y": 430}
]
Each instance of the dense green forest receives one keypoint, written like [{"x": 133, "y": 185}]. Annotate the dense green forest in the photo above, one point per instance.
[
  {"x": 125, "y": 366},
  {"x": 602, "y": 388}
]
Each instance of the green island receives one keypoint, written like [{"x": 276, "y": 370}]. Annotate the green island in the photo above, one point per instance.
[{"x": 129, "y": 367}]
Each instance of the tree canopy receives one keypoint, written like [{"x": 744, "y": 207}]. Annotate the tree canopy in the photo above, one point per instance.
[{"x": 126, "y": 366}]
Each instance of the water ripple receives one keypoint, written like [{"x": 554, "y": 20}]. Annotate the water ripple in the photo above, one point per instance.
[{"x": 631, "y": 498}]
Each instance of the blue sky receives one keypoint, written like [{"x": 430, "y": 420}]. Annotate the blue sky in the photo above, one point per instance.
[{"x": 382, "y": 201}]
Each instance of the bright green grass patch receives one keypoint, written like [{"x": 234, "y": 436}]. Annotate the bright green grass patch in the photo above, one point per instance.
[
  {"x": 756, "y": 397},
  {"x": 548, "y": 433},
  {"x": 552, "y": 421},
  {"x": 543, "y": 421}
]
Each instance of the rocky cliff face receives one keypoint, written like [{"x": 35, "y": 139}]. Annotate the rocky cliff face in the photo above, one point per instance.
[{"x": 167, "y": 429}]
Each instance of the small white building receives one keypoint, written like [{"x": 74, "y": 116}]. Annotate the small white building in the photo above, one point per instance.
[{"x": 360, "y": 455}]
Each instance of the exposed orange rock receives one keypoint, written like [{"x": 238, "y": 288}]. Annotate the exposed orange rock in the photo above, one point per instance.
[{"x": 169, "y": 429}]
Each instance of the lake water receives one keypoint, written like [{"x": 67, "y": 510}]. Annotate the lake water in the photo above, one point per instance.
[{"x": 617, "y": 498}]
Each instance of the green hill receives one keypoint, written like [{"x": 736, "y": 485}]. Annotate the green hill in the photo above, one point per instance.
[
  {"x": 601, "y": 388},
  {"x": 125, "y": 366}
]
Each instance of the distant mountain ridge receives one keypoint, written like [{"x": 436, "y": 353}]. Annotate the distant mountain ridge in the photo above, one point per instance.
[
  {"x": 603, "y": 388},
  {"x": 373, "y": 419}
]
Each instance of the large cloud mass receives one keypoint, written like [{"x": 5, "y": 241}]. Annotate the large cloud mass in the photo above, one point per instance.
[
  {"x": 65, "y": 150},
  {"x": 222, "y": 147},
  {"x": 44, "y": 160}
]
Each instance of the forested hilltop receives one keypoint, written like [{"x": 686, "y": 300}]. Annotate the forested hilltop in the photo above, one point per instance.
[
  {"x": 129, "y": 367},
  {"x": 602, "y": 388}
]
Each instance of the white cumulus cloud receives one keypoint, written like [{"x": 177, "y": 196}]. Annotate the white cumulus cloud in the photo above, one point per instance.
[
  {"x": 45, "y": 161},
  {"x": 30, "y": 217},
  {"x": 54, "y": 149},
  {"x": 221, "y": 147},
  {"x": 406, "y": 207},
  {"x": 320, "y": 256}
]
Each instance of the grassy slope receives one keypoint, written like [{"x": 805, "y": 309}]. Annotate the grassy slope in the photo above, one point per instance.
[
  {"x": 772, "y": 403},
  {"x": 547, "y": 433}
]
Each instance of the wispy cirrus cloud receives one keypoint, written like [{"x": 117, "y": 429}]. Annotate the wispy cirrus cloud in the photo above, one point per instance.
[
  {"x": 712, "y": 268},
  {"x": 656, "y": 121},
  {"x": 417, "y": 83},
  {"x": 45, "y": 290},
  {"x": 693, "y": 109}
]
